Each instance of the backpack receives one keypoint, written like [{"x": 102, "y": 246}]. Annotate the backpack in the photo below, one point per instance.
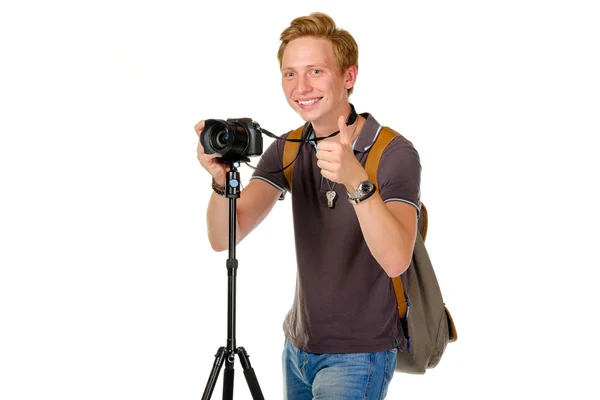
[{"x": 427, "y": 323}]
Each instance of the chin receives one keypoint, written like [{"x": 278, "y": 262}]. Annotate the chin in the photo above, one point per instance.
[{"x": 308, "y": 115}]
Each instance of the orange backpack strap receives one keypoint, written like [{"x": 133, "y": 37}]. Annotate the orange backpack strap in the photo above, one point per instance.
[
  {"x": 386, "y": 135},
  {"x": 423, "y": 222},
  {"x": 290, "y": 150}
]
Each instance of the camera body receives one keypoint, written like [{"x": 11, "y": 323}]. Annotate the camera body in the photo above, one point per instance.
[{"x": 233, "y": 139}]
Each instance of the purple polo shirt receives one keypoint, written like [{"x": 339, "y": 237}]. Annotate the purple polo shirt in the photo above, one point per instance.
[{"x": 344, "y": 301}]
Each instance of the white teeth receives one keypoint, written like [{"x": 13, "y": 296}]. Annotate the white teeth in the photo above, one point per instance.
[{"x": 308, "y": 103}]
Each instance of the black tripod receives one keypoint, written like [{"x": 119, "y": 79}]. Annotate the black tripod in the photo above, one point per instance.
[{"x": 227, "y": 354}]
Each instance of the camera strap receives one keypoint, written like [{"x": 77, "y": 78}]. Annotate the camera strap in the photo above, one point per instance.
[{"x": 304, "y": 140}]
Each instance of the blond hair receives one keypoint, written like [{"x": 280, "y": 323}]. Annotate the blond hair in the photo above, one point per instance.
[{"x": 320, "y": 25}]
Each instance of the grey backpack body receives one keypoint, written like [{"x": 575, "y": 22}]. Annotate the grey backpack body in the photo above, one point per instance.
[{"x": 427, "y": 323}]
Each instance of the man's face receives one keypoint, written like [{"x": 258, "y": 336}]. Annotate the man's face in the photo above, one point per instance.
[{"x": 313, "y": 85}]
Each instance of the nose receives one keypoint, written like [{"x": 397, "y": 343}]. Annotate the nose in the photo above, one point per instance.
[{"x": 303, "y": 85}]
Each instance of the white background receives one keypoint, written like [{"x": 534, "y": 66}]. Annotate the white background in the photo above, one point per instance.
[{"x": 108, "y": 286}]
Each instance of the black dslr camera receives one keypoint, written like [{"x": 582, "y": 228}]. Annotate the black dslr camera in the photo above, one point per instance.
[{"x": 233, "y": 140}]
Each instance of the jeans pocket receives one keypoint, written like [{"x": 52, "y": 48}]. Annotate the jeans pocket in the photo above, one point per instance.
[{"x": 390, "y": 363}]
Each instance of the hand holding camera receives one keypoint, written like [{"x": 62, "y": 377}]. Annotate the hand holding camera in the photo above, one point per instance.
[
  {"x": 223, "y": 141},
  {"x": 210, "y": 162}
]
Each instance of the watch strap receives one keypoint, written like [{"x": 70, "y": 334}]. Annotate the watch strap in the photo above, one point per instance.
[{"x": 363, "y": 197}]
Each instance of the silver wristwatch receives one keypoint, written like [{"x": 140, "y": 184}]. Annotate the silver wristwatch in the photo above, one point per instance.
[{"x": 364, "y": 191}]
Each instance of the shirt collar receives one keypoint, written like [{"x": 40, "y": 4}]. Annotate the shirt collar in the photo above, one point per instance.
[
  {"x": 365, "y": 140},
  {"x": 368, "y": 134}
]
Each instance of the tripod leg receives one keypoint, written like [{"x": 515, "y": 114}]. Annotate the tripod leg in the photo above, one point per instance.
[
  {"x": 228, "y": 378},
  {"x": 214, "y": 374},
  {"x": 250, "y": 375}
]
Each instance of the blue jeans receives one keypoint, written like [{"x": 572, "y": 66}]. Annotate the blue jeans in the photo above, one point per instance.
[{"x": 336, "y": 376}]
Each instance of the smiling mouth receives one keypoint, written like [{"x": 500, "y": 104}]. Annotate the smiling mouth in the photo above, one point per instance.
[{"x": 307, "y": 102}]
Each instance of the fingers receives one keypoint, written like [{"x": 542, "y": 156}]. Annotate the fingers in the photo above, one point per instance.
[
  {"x": 199, "y": 127},
  {"x": 329, "y": 154},
  {"x": 200, "y": 149},
  {"x": 328, "y": 166},
  {"x": 202, "y": 155},
  {"x": 327, "y": 146},
  {"x": 330, "y": 171},
  {"x": 345, "y": 135},
  {"x": 210, "y": 162}
]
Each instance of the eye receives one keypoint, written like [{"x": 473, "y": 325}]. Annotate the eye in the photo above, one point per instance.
[
  {"x": 316, "y": 71},
  {"x": 288, "y": 74}
]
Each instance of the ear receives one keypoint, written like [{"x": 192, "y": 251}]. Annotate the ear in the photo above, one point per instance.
[{"x": 350, "y": 76}]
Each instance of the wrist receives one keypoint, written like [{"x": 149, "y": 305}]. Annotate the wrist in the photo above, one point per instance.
[
  {"x": 353, "y": 184},
  {"x": 218, "y": 188},
  {"x": 221, "y": 181},
  {"x": 363, "y": 197},
  {"x": 363, "y": 191}
]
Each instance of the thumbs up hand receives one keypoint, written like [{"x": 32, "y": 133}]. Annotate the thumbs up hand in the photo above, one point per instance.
[{"x": 337, "y": 160}]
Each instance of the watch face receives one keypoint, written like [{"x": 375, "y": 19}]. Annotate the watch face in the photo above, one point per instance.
[{"x": 365, "y": 186}]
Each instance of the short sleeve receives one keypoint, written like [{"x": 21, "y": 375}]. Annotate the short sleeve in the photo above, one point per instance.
[
  {"x": 399, "y": 173},
  {"x": 269, "y": 166}
]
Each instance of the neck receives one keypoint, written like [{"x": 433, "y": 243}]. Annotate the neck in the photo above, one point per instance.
[{"x": 327, "y": 126}]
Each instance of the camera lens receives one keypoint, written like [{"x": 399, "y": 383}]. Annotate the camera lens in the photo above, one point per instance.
[{"x": 221, "y": 139}]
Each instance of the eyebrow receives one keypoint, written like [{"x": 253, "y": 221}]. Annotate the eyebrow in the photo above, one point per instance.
[{"x": 323, "y": 66}]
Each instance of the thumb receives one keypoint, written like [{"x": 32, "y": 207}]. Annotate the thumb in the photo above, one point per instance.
[{"x": 345, "y": 135}]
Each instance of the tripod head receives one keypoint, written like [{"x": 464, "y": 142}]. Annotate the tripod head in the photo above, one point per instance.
[{"x": 232, "y": 188}]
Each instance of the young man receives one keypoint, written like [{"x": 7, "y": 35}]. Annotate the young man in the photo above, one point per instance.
[{"x": 342, "y": 332}]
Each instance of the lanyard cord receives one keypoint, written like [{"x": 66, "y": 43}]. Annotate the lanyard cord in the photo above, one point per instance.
[{"x": 305, "y": 140}]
